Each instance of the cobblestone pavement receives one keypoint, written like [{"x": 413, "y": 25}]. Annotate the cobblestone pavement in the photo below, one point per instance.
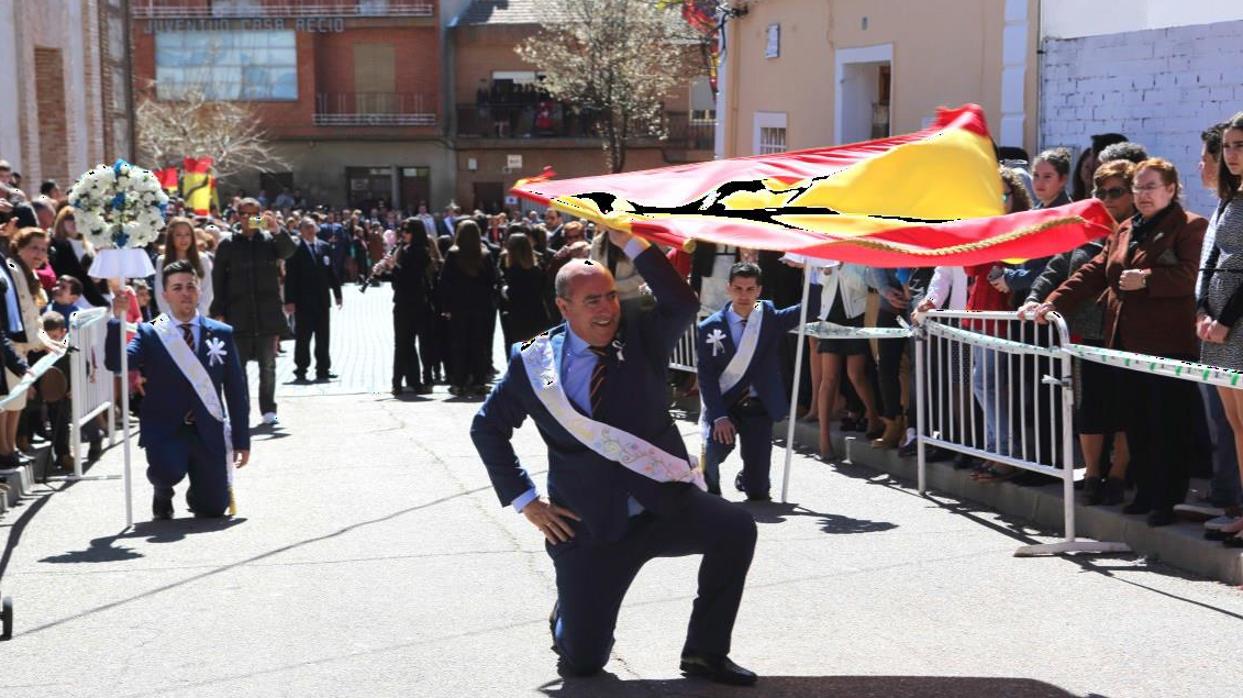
[{"x": 371, "y": 558}]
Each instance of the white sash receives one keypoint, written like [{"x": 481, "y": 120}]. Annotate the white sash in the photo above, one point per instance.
[
  {"x": 610, "y": 442},
  {"x": 194, "y": 371},
  {"x": 737, "y": 366}
]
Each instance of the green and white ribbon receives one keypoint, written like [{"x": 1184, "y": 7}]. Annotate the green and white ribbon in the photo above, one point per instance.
[
  {"x": 988, "y": 341},
  {"x": 829, "y": 330},
  {"x": 1171, "y": 368}
]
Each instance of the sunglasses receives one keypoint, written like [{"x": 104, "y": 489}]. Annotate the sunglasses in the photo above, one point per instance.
[{"x": 1110, "y": 193}]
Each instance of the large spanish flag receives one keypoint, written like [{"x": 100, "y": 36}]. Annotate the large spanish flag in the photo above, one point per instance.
[{"x": 922, "y": 199}]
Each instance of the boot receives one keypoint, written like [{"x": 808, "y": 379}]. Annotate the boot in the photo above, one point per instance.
[
  {"x": 875, "y": 428},
  {"x": 892, "y": 435}
]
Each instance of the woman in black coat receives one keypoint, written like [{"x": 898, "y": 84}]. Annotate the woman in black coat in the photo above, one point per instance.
[
  {"x": 525, "y": 291},
  {"x": 466, "y": 289},
  {"x": 411, "y": 270}
]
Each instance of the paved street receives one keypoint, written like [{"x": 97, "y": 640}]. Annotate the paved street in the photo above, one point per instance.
[{"x": 371, "y": 558}]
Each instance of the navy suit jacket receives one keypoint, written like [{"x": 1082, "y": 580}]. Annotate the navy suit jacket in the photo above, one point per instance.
[
  {"x": 764, "y": 372},
  {"x": 310, "y": 277},
  {"x": 635, "y": 399},
  {"x": 169, "y": 395}
]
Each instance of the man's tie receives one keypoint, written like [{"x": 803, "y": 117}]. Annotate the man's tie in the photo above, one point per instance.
[{"x": 598, "y": 374}]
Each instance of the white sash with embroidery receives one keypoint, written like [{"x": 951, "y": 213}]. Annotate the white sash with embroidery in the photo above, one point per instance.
[
  {"x": 194, "y": 371},
  {"x": 611, "y": 443},
  {"x": 737, "y": 366}
]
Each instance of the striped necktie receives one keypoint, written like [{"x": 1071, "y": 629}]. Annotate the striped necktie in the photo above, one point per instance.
[
  {"x": 187, "y": 333},
  {"x": 598, "y": 375}
]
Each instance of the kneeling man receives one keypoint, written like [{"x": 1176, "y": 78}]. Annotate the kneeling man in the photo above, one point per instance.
[
  {"x": 621, "y": 488},
  {"x": 186, "y": 361},
  {"x": 740, "y": 386}
]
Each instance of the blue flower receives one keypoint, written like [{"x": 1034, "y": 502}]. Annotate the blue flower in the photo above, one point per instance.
[
  {"x": 118, "y": 201},
  {"x": 116, "y": 166},
  {"x": 120, "y": 239}
]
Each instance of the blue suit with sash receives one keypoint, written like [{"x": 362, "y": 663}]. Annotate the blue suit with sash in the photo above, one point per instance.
[
  {"x": 627, "y": 518},
  {"x": 757, "y": 400},
  {"x": 179, "y": 434}
]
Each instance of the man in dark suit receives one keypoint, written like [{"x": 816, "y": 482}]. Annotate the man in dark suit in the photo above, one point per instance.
[
  {"x": 309, "y": 277},
  {"x": 739, "y": 362},
  {"x": 186, "y": 361},
  {"x": 621, "y": 489}
]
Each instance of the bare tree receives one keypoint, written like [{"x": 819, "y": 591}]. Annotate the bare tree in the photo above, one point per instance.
[
  {"x": 194, "y": 125},
  {"x": 617, "y": 60}
]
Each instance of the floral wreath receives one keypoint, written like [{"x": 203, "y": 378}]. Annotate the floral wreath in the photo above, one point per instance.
[{"x": 121, "y": 206}]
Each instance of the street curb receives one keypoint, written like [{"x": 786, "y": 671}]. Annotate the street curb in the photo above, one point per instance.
[{"x": 1181, "y": 545}]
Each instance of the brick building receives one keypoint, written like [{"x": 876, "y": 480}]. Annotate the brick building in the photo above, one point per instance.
[
  {"x": 376, "y": 100},
  {"x": 64, "y": 69}
]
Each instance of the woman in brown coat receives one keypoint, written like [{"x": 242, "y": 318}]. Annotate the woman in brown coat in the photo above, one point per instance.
[{"x": 1145, "y": 281}]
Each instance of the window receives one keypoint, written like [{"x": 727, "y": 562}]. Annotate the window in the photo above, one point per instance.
[
  {"x": 772, "y": 140},
  {"x": 769, "y": 134},
  {"x": 227, "y": 65}
]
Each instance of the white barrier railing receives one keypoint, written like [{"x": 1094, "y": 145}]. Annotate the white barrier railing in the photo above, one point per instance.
[
  {"x": 1022, "y": 377},
  {"x": 683, "y": 356},
  {"x": 91, "y": 383}
]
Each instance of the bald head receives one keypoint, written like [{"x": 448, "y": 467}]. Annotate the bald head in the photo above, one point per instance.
[
  {"x": 587, "y": 299},
  {"x": 576, "y": 272}
]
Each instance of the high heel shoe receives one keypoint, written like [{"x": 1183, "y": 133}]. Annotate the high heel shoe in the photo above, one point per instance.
[
  {"x": 1233, "y": 527},
  {"x": 1234, "y": 541}
]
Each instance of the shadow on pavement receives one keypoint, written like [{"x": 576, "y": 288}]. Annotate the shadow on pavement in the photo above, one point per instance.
[
  {"x": 777, "y": 512},
  {"x": 605, "y": 685},
  {"x": 108, "y": 549}
]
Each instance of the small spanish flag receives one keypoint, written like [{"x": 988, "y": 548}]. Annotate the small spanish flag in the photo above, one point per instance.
[{"x": 196, "y": 184}]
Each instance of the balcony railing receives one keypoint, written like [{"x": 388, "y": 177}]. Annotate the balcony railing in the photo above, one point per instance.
[
  {"x": 555, "y": 120},
  {"x": 238, "y": 9},
  {"x": 373, "y": 109}
]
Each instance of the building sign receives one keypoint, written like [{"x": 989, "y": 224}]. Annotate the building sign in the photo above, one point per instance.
[
  {"x": 513, "y": 162},
  {"x": 310, "y": 25},
  {"x": 773, "y": 48}
]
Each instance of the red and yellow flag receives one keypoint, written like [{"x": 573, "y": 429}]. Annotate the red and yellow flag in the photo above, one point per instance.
[
  {"x": 197, "y": 184},
  {"x": 927, "y": 198}
]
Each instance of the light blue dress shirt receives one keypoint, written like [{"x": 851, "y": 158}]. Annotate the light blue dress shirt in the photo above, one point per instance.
[
  {"x": 736, "y": 326},
  {"x": 577, "y": 363},
  {"x": 196, "y": 328}
]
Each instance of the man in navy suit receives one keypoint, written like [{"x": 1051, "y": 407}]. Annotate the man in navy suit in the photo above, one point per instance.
[
  {"x": 182, "y": 426},
  {"x": 621, "y": 490},
  {"x": 309, "y": 278},
  {"x": 752, "y": 395}
]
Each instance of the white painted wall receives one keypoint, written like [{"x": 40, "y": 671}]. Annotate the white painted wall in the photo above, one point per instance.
[
  {"x": 1066, "y": 19},
  {"x": 10, "y": 136},
  {"x": 1159, "y": 87}
]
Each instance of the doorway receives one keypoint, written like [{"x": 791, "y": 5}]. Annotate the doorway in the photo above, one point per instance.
[{"x": 864, "y": 82}]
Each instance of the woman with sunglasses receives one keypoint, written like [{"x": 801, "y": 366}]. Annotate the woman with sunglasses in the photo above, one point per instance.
[
  {"x": 1145, "y": 279},
  {"x": 1221, "y": 299},
  {"x": 1098, "y": 413}
]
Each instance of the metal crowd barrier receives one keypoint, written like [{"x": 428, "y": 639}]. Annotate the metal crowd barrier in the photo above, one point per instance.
[
  {"x": 91, "y": 383},
  {"x": 1021, "y": 375},
  {"x": 683, "y": 356}
]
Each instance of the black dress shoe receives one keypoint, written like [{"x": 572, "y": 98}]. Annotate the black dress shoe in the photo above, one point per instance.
[
  {"x": 717, "y": 668},
  {"x": 1160, "y": 517},
  {"x": 1137, "y": 507},
  {"x": 759, "y": 498},
  {"x": 738, "y": 483},
  {"x": 161, "y": 508},
  {"x": 1233, "y": 542}
]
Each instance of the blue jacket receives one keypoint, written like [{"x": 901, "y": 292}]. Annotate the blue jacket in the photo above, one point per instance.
[
  {"x": 169, "y": 395},
  {"x": 764, "y": 373},
  {"x": 636, "y": 399}
]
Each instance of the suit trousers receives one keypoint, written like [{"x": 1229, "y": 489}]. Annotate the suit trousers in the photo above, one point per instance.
[
  {"x": 754, "y": 429},
  {"x": 261, "y": 348},
  {"x": 593, "y": 579},
  {"x": 307, "y": 325},
  {"x": 183, "y": 453}
]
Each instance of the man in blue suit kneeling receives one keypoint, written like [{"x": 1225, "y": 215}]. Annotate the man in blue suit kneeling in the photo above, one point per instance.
[
  {"x": 740, "y": 386},
  {"x": 621, "y": 488},
  {"x": 186, "y": 360}
]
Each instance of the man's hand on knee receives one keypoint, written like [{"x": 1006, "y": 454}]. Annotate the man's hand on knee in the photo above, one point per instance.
[
  {"x": 723, "y": 431},
  {"x": 551, "y": 520}
]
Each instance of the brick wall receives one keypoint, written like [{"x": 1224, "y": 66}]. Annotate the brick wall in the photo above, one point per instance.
[
  {"x": 1159, "y": 87},
  {"x": 50, "y": 101}
]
